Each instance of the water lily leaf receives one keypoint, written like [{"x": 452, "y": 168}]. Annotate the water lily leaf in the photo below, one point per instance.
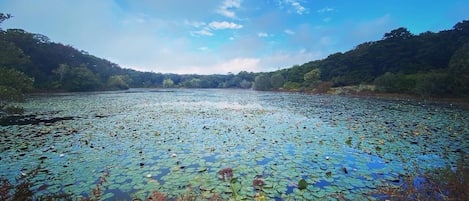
[{"x": 302, "y": 184}]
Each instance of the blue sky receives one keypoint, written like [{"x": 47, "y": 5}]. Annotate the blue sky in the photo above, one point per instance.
[{"x": 221, "y": 36}]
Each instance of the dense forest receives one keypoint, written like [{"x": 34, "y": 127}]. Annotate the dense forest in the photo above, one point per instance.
[
  {"x": 430, "y": 64},
  {"x": 58, "y": 67}
]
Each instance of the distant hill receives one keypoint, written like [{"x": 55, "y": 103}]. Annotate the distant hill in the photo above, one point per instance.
[
  {"x": 58, "y": 67},
  {"x": 435, "y": 64}
]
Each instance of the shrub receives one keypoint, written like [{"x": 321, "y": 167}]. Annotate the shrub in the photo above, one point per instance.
[{"x": 292, "y": 86}]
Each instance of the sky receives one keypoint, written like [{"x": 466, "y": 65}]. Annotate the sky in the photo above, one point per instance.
[{"x": 224, "y": 36}]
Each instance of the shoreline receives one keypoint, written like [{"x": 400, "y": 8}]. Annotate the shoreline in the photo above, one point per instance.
[{"x": 462, "y": 103}]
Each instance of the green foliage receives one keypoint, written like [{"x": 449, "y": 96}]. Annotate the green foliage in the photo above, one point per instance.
[
  {"x": 312, "y": 77},
  {"x": 11, "y": 56},
  {"x": 399, "y": 33},
  {"x": 277, "y": 80},
  {"x": 193, "y": 83},
  {"x": 245, "y": 84},
  {"x": 168, "y": 83},
  {"x": 295, "y": 74},
  {"x": 302, "y": 184},
  {"x": 433, "y": 84},
  {"x": 79, "y": 78},
  {"x": 459, "y": 70},
  {"x": 292, "y": 86},
  {"x": 394, "y": 83},
  {"x": 118, "y": 82},
  {"x": 4, "y": 17},
  {"x": 15, "y": 79},
  {"x": 13, "y": 85},
  {"x": 262, "y": 82}
]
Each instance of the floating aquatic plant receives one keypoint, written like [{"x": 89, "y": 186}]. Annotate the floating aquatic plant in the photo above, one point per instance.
[
  {"x": 282, "y": 141},
  {"x": 302, "y": 184},
  {"x": 349, "y": 141},
  {"x": 258, "y": 183},
  {"x": 226, "y": 174}
]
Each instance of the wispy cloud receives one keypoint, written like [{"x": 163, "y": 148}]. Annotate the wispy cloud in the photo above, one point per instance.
[
  {"x": 195, "y": 24},
  {"x": 289, "y": 32},
  {"x": 262, "y": 34},
  {"x": 325, "y": 10},
  {"x": 202, "y": 32},
  {"x": 296, "y": 5},
  {"x": 204, "y": 48},
  {"x": 226, "y": 9},
  {"x": 224, "y": 25},
  {"x": 208, "y": 29}
]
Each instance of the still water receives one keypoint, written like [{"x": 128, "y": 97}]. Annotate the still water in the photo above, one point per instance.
[{"x": 178, "y": 141}]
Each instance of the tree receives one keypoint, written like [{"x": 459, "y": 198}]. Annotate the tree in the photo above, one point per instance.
[
  {"x": 245, "y": 84},
  {"x": 168, "y": 83},
  {"x": 11, "y": 56},
  {"x": 262, "y": 82},
  {"x": 294, "y": 74},
  {"x": 312, "y": 77},
  {"x": 399, "y": 33},
  {"x": 61, "y": 71},
  {"x": 80, "y": 78},
  {"x": 118, "y": 82},
  {"x": 459, "y": 70},
  {"x": 4, "y": 17},
  {"x": 13, "y": 85},
  {"x": 277, "y": 80}
]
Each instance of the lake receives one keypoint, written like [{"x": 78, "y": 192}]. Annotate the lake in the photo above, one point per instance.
[{"x": 179, "y": 141}]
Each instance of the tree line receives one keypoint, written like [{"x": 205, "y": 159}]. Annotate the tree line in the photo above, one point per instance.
[{"x": 429, "y": 64}]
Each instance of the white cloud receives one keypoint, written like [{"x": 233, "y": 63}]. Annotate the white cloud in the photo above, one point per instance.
[
  {"x": 262, "y": 34},
  {"x": 299, "y": 9},
  {"x": 202, "y": 32},
  {"x": 233, "y": 65},
  {"x": 224, "y": 25},
  {"x": 239, "y": 64},
  {"x": 203, "y": 48},
  {"x": 226, "y": 8},
  {"x": 195, "y": 24},
  {"x": 289, "y": 32},
  {"x": 325, "y": 10}
]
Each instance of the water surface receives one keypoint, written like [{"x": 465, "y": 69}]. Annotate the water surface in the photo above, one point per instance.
[{"x": 176, "y": 141}]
